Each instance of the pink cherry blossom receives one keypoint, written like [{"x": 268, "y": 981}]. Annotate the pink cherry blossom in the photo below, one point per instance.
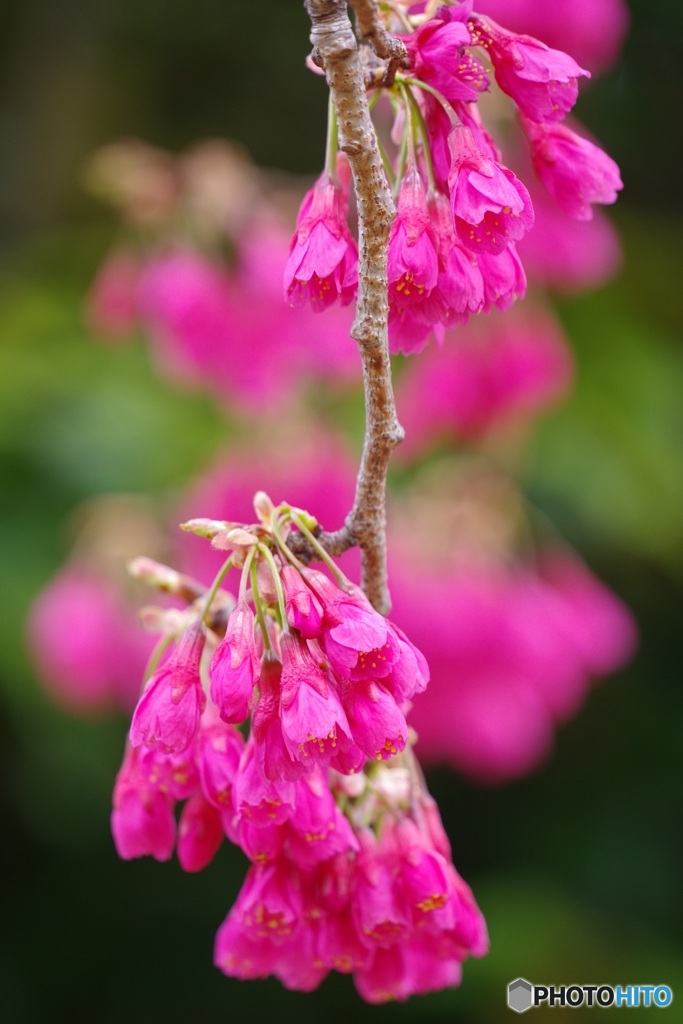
[
  {"x": 438, "y": 55},
  {"x": 377, "y": 724},
  {"x": 323, "y": 259},
  {"x": 313, "y": 720},
  {"x": 304, "y": 611},
  {"x": 167, "y": 715},
  {"x": 503, "y": 277},
  {"x": 200, "y": 833},
  {"x": 219, "y": 750},
  {"x": 412, "y": 259},
  {"x": 575, "y": 171},
  {"x": 234, "y": 666},
  {"x": 142, "y": 821},
  {"x": 541, "y": 81},
  {"x": 491, "y": 207}
]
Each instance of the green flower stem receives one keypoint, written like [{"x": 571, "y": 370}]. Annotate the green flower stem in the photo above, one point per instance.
[
  {"x": 258, "y": 605},
  {"x": 225, "y": 568},
  {"x": 332, "y": 141},
  {"x": 319, "y": 549},
  {"x": 420, "y": 128},
  {"x": 272, "y": 565},
  {"x": 407, "y": 80},
  {"x": 155, "y": 657}
]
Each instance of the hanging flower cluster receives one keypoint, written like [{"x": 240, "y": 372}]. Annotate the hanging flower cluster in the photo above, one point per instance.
[
  {"x": 460, "y": 209},
  {"x": 279, "y": 717}
]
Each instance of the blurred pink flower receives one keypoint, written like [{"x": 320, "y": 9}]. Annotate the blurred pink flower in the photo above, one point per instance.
[
  {"x": 87, "y": 645},
  {"x": 483, "y": 378},
  {"x": 514, "y": 656},
  {"x": 290, "y": 470},
  {"x": 575, "y": 171},
  {"x": 111, "y": 308},
  {"x": 230, "y": 331},
  {"x": 591, "y": 30},
  {"x": 566, "y": 254}
]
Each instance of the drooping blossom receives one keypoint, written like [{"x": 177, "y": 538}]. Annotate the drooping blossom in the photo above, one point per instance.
[
  {"x": 491, "y": 207},
  {"x": 503, "y": 372},
  {"x": 438, "y": 55},
  {"x": 324, "y": 797},
  {"x": 168, "y": 712},
  {"x": 412, "y": 265},
  {"x": 235, "y": 666},
  {"x": 513, "y": 658},
  {"x": 88, "y": 649},
  {"x": 323, "y": 260},
  {"x": 575, "y": 171},
  {"x": 569, "y": 255},
  {"x": 541, "y": 81},
  {"x": 591, "y": 30}
]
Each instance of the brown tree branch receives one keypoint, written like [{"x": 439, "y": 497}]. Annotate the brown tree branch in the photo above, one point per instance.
[
  {"x": 386, "y": 46},
  {"x": 336, "y": 51}
]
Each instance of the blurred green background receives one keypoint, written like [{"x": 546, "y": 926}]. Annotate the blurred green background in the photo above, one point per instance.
[{"x": 577, "y": 868}]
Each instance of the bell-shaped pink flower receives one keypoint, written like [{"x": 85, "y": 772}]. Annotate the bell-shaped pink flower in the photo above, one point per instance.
[
  {"x": 425, "y": 879},
  {"x": 269, "y": 904},
  {"x": 142, "y": 821},
  {"x": 261, "y": 800},
  {"x": 503, "y": 278},
  {"x": 379, "y": 905},
  {"x": 385, "y": 977},
  {"x": 317, "y": 830},
  {"x": 234, "y": 666},
  {"x": 323, "y": 257},
  {"x": 239, "y": 956},
  {"x": 340, "y": 945},
  {"x": 377, "y": 724},
  {"x": 592, "y": 30},
  {"x": 358, "y": 641},
  {"x": 261, "y": 843},
  {"x": 575, "y": 171},
  {"x": 410, "y": 672},
  {"x": 175, "y": 774},
  {"x": 219, "y": 750},
  {"x": 412, "y": 267},
  {"x": 438, "y": 55},
  {"x": 313, "y": 720},
  {"x": 491, "y": 207},
  {"x": 566, "y": 254},
  {"x": 168, "y": 713},
  {"x": 274, "y": 757},
  {"x": 200, "y": 833},
  {"x": 541, "y": 81}
]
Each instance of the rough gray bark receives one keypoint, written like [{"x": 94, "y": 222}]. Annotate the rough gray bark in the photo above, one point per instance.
[{"x": 335, "y": 50}]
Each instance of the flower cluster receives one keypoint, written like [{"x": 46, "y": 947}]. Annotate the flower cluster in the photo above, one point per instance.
[
  {"x": 350, "y": 869},
  {"x": 212, "y": 322},
  {"x": 460, "y": 210}
]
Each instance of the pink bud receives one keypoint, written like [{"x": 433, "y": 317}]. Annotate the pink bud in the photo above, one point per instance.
[{"x": 234, "y": 666}]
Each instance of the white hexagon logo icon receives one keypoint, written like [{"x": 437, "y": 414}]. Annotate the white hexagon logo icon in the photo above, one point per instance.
[{"x": 520, "y": 995}]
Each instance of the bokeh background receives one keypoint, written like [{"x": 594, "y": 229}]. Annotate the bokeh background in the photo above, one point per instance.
[{"x": 578, "y": 866}]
